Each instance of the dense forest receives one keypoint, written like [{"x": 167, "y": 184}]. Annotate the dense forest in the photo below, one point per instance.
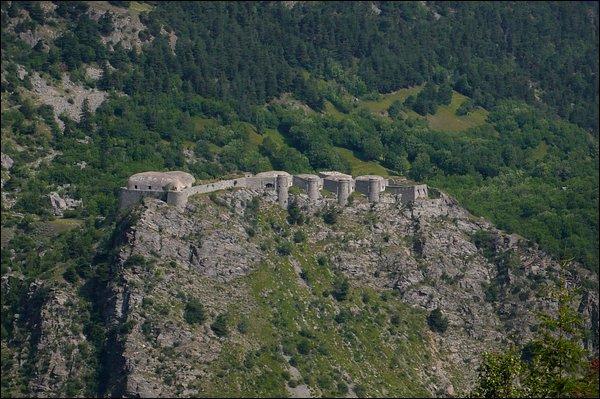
[{"x": 526, "y": 169}]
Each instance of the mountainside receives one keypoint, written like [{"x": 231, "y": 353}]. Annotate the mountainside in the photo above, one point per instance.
[
  {"x": 493, "y": 103},
  {"x": 289, "y": 323}
]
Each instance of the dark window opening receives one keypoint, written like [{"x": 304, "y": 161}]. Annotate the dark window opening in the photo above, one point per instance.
[
  {"x": 135, "y": 187},
  {"x": 149, "y": 187}
]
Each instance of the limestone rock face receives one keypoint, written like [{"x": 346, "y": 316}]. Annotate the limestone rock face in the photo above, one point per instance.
[
  {"x": 60, "y": 204},
  {"x": 57, "y": 351},
  {"x": 7, "y": 162},
  {"x": 423, "y": 251}
]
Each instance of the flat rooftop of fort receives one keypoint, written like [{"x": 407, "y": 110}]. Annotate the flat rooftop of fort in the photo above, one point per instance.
[
  {"x": 369, "y": 177},
  {"x": 334, "y": 175},
  {"x": 175, "y": 180},
  {"x": 272, "y": 173}
]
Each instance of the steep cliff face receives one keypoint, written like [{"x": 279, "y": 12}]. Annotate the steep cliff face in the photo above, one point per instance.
[
  {"x": 50, "y": 353},
  {"x": 228, "y": 297}
]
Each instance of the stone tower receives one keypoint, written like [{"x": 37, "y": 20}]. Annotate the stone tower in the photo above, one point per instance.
[
  {"x": 282, "y": 190},
  {"x": 313, "y": 188},
  {"x": 343, "y": 191},
  {"x": 374, "y": 190}
]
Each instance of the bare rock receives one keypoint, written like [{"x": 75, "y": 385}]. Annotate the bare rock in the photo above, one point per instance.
[
  {"x": 7, "y": 162},
  {"x": 60, "y": 204}
]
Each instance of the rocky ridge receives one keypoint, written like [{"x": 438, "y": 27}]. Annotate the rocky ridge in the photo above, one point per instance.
[{"x": 424, "y": 252}]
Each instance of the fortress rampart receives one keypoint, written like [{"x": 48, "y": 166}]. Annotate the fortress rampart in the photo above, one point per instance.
[{"x": 176, "y": 187}]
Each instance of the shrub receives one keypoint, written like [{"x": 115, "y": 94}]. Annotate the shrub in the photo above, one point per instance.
[
  {"x": 330, "y": 215},
  {"x": 342, "y": 317},
  {"x": 342, "y": 388},
  {"x": 219, "y": 326},
  {"x": 491, "y": 293},
  {"x": 285, "y": 248},
  {"x": 70, "y": 275},
  {"x": 294, "y": 214},
  {"x": 299, "y": 236},
  {"x": 194, "y": 312},
  {"x": 324, "y": 381},
  {"x": 242, "y": 327},
  {"x": 436, "y": 321},
  {"x": 303, "y": 346},
  {"x": 340, "y": 289},
  {"x": 485, "y": 241},
  {"x": 360, "y": 390},
  {"x": 322, "y": 260}
]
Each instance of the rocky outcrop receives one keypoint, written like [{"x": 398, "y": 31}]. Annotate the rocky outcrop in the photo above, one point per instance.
[
  {"x": 55, "y": 359},
  {"x": 490, "y": 289},
  {"x": 60, "y": 204},
  {"x": 7, "y": 162},
  {"x": 68, "y": 98}
]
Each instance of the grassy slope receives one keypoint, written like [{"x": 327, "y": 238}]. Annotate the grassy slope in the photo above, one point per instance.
[
  {"x": 294, "y": 319},
  {"x": 384, "y": 102},
  {"x": 360, "y": 167},
  {"x": 445, "y": 118}
]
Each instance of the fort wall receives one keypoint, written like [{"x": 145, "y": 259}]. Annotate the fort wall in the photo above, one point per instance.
[
  {"x": 128, "y": 198},
  {"x": 177, "y": 192}
]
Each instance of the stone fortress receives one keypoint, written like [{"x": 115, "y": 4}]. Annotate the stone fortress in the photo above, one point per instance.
[{"x": 174, "y": 188}]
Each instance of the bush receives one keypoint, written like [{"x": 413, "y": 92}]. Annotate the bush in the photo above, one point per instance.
[
  {"x": 304, "y": 346},
  {"x": 294, "y": 214},
  {"x": 436, "y": 321},
  {"x": 330, "y": 215},
  {"x": 360, "y": 391},
  {"x": 340, "y": 289},
  {"x": 491, "y": 293},
  {"x": 194, "y": 312},
  {"x": 242, "y": 327},
  {"x": 219, "y": 326},
  {"x": 70, "y": 275},
  {"x": 342, "y": 317},
  {"x": 342, "y": 388},
  {"x": 285, "y": 248},
  {"x": 322, "y": 260},
  {"x": 486, "y": 242},
  {"x": 299, "y": 236}
]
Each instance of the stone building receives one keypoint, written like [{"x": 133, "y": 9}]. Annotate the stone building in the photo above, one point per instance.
[
  {"x": 311, "y": 184},
  {"x": 371, "y": 186},
  {"x": 338, "y": 183},
  {"x": 408, "y": 193},
  {"x": 155, "y": 184},
  {"x": 267, "y": 180}
]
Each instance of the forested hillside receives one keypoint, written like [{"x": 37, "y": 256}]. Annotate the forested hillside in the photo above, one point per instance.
[{"x": 495, "y": 103}]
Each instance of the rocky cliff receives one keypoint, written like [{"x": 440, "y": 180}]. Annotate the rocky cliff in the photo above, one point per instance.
[{"x": 291, "y": 305}]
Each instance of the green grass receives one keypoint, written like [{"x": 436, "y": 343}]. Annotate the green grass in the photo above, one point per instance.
[
  {"x": 275, "y": 136},
  {"x": 540, "y": 151},
  {"x": 201, "y": 123},
  {"x": 332, "y": 111},
  {"x": 381, "y": 106},
  {"x": 139, "y": 6},
  {"x": 58, "y": 226},
  {"x": 296, "y": 318},
  {"x": 445, "y": 118},
  {"x": 360, "y": 167}
]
